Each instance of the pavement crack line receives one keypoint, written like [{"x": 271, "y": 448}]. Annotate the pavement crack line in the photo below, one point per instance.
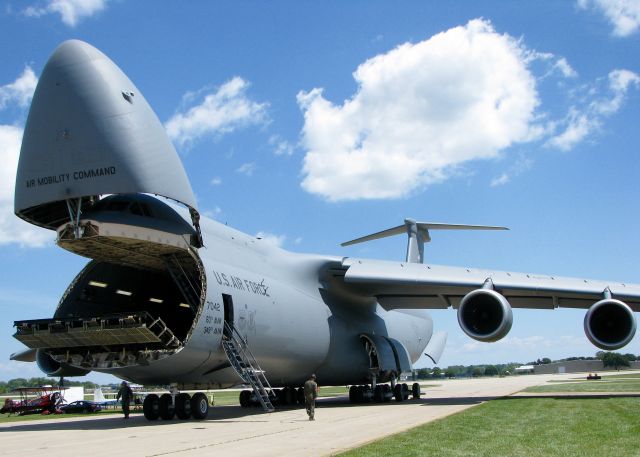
[{"x": 203, "y": 446}]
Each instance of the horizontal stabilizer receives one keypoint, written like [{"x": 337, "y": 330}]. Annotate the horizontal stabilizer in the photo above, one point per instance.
[
  {"x": 418, "y": 233},
  {"x": 28, "y": 355}
]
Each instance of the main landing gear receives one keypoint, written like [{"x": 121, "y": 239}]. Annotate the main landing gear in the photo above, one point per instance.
[
  {"x": 287, "y": 396},
  {"x": 167, "y": 406},
  {"x": 382, "y": 393}
]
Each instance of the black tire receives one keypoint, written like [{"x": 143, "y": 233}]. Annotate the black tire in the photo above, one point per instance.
[
  {"x": 300, "y": 395},
  {"x": 397, "y": 392},
  {"x": 366, "y": 394},
  {"x": 352, "y": 394},
  {"x": 151, "y": 407},
  {"x": 245, "y": 398},
  {"x": 167, "y": 409},
  {"x": 360, "y": 394},
  {"x": 415, "y": 391},
  {"x": 378, "y": 394},
  {"x": 199, "y": 406},
  {"x": 386, "y": 391},
  {"x": 183, "y": 406},
  {"x": 282, "y": 400},
  {"x": 405, "y": 391},
  {"x": 290, "y": 396}
]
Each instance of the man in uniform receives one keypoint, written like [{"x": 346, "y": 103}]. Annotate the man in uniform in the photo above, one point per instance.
[
  {"x": 310, "y": 394},
  {"x": 126, "y": 394}
]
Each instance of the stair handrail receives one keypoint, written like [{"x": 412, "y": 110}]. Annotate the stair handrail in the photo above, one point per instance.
[{"x": 247, "y": 355}]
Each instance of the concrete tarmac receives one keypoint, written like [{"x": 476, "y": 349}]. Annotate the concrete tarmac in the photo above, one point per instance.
[{"x": 236, "y": 431}]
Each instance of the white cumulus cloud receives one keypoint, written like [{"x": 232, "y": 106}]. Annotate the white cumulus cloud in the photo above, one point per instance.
[
  {"x": 247, "y": 169},
  {"x": 70, "y": 11},
  {"x": 582, "y": 121},
  {"x": 20, "y": 91},
  {"x": 420, "y": 111},
  {"x": 281, "y": 146},
  {"x": 218, "y": 112},
  {"x": 270, "y": 238},
  {"x": 519, "y": 167},
  {"x": 12, "y": 229},
  {"x": 624, "y": 15}
]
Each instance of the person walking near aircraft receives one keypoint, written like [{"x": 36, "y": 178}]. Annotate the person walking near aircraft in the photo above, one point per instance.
[
  {"x": 126, "y": 393},
  {"x": 310, "y": 394}
]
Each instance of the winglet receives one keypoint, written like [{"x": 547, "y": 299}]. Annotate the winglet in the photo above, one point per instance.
[{"x": 418, "y": 234}]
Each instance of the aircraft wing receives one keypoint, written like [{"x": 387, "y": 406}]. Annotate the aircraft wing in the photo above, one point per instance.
[{"x": 413, "y": 285}]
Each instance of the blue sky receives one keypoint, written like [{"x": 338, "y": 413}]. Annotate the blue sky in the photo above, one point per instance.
[{"x": 312, "y": 123}]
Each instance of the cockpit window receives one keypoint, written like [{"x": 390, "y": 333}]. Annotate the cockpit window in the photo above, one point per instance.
[
  {"x": 135, "y": 209},
  {"x": 146, "y": 210},
  {"x": 116, "y": 205}
]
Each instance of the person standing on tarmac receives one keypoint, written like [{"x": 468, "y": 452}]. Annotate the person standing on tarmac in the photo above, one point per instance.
[
  {"x": 310, "y": 395},
  {"x": 126, "y": 393}
]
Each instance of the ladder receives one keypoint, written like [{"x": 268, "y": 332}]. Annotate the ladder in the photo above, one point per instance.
[
  {"x": 187, "y": 285},
  {"x": 246, "y": 365}
]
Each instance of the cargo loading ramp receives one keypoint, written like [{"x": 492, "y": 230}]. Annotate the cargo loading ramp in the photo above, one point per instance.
[{"x": 112, "y": 330}]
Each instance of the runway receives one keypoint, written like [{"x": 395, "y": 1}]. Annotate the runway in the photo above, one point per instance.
[{"x": 231, "y": 430}]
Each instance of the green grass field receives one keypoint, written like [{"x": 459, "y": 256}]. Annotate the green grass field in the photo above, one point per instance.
[
  {"x": 533, "y": 427},
  {"x": 523, "y": 427},
  {"x": 612, "y": 383}
]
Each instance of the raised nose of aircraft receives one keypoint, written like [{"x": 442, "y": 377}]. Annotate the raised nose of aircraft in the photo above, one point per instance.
[{"x": 91, "y": 132}]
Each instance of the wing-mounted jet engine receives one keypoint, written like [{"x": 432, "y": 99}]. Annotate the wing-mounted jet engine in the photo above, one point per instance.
[
  {"x": 484, "y": 314},
  {"x": 92, "y": 151}
]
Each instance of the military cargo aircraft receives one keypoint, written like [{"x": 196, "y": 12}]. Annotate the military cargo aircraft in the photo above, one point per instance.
[{"x": 194, "y": 304}]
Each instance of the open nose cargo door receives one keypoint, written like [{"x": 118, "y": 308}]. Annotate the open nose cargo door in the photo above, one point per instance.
[
  {"x": 92, "y": 151},
  {"x": 91, "y": 132}
]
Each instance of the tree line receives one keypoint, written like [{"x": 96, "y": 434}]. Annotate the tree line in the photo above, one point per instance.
[
  {"x": 8, "y": 386},
  {"x": 614, "y": 360}
]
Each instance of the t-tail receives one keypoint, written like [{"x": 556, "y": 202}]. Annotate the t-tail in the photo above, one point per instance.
[{"x": 418, "y": 234}]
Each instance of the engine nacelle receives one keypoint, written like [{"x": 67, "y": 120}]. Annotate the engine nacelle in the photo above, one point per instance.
[
  {"x": 485, "y": 315},
  {"x": 52, "y": 368},
  {"x": 610, "y": 324}
]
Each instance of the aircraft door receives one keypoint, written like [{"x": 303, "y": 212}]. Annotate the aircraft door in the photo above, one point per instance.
[{"x": 227, "y": 301}]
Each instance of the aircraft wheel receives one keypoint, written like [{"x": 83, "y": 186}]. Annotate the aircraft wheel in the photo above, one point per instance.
[
  {"x": 167, "y": 410},
  {"x": 378, "y": 393},
  {"x": 300, "y": 395},
  {"x": 183, "y": 406},
  {"x": 397, "y": 392},
  {"x": 386, "y": 390},
  {"x": 415, "y": 391},
  {"x": 405, "y": 391},
  {"x": 151, "y": 407},
  {"x": 352, "y": 394},
  {"x": 366, "y": 394},
  {"x": 282, "y": 397},
  {"x": 199, "y": 406},
  {"x": 290, "y": 395},
  {"x": 245, "y": 398}
]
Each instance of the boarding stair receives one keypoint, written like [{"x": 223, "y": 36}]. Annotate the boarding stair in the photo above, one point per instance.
[
  {"x": 188, "y": 285},
  {"x": 246, "y": 365}
]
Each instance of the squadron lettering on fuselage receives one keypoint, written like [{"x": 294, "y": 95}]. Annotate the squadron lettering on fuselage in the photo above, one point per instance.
[
  {"x": 77, "y": 175},
  {"x": 258, "y": 288}
]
